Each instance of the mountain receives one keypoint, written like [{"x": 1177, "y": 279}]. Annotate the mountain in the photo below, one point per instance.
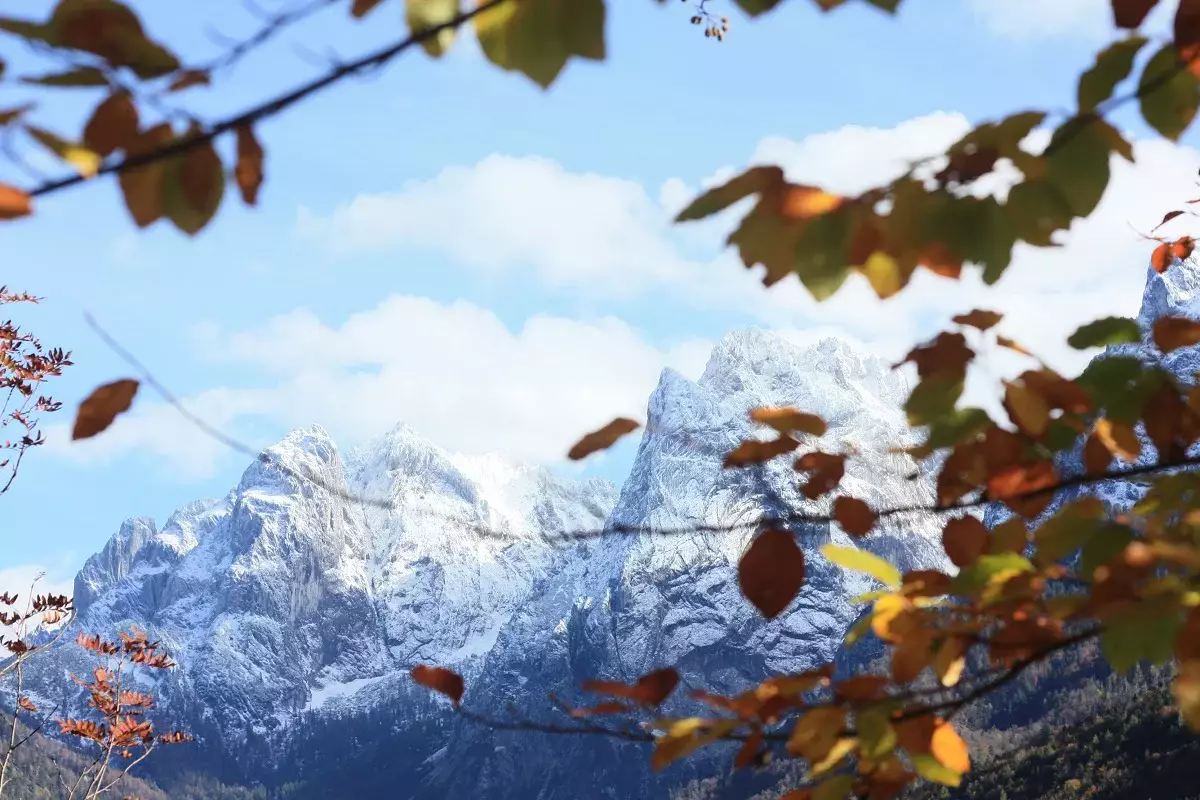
[{"x": 293, "y": 606}]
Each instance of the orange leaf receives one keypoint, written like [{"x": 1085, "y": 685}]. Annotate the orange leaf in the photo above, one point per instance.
[
  {"x": 1182, "y": 247},
  {"x": 789, "y": 420},
  {"x": 949, "y": 748},
  {"x": 440, "y": 680},
  {"x": 102, "y": 406},
  {"x": 1172, "y": 333},
  {"x": 1160, "y": 259},
  {"x": 27, "y": 704},
  {"x": 805, "y": 202},
  {"x": 771, "y": 572},
  {"x": 603, "y": 438},
  {"x": 14, "y": 203},
  {"x": 964, "y": 539},
  {"x": 1017, "y": 484},
  {"x": 856, "y": 517},
  {"x": 611, "y": 707},
  {"x": 756, "y": 452},
  {"x": 979, "y": 319},
  {"x": 651, "y": 689},
  {"x": 1120, "y": 439},
  {"x": 1013, "y": 345},
  {"x": 249, "y": 170}
]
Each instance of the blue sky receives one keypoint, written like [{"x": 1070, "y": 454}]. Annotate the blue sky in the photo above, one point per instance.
[{"x": 499, "y": 258}]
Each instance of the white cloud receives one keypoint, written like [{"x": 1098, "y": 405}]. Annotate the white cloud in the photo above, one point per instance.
[
  {"x": 1028, "y": 20},
  {"x": 53, "y": 580},
  {"x": 453, "y": 372}
]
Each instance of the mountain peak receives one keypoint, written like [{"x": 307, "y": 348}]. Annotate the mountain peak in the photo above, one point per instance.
[{"x": 1175, "y": 292}]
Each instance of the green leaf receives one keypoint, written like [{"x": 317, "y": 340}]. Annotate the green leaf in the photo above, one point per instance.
[
  {"x": 821, "y": 253},
  {"x": 986, "y": 567},
  {"x": 1078, "y": 162},
  {"x": 1144, "y": 631},
  {"x": 1108, "y": 378},
  {"x": 857, "y": 631},
  {"x": 753, "y": 181},
  {"x": 421, "y": 15},
  {"x": 1169, "y": 94},
  {"x": 1113, "y": 65},
  {"x": 875, "y": 731},
  {"x": 835, "y": 787},
  {"x": 957, "y": 426},
  {"x": 933, "y": 399},
  {"x": 1104, "y": 332},
  {"x": 83, "y": 76},
  {"x": 862, "y": 561},
  {"x": 1110, "y": 539},
  {"x": 32, "y": 31},
  {"x": 536, "y": 37},
  {"x": 1069, "y": 528},
  {"x": 991, "y": 246},
  {"x": 889, "y": 6},
  {"x": 1037, "y": 209},
  {"x": 933, "y": 770}
]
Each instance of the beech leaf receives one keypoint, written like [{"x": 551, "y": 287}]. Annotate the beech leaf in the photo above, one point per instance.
[
  {"x": 603, "y": 438},
  {"x": 102, "y": 406},
  {"x": 1172, "y": 333},
  {"x": 440, "y": 679},
  {"x": 861, "y": 561},
  {"x": 771, "y": 572},
  {"x": 856, "y": 517}
]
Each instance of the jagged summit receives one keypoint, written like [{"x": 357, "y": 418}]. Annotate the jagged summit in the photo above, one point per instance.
[{"x": 1175, "y": 292}]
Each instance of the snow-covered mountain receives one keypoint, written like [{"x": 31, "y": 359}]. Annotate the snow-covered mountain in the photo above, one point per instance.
[{"x": 290, "y": 596}]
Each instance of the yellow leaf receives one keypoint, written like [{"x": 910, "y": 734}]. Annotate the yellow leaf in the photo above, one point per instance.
[
  {"x": 1027, "y": 409},
  {"x": 686, "y": 737},
  {"x": 422, "y": 15},
  {"x": 805, "y": 202},
  {"x": 950, "y": 661},
  {"x": 536, "y": 37},
  {"x": 840, "y": 750},
  {"x": 887, "y": 611},
  {"x": 884, "y": 273},
  {"x": 85, "y": 161},
  {"x": 1120, "y": 439},
  {"x": 816, "y": 732},
  {"x": 861, "y": 561}
]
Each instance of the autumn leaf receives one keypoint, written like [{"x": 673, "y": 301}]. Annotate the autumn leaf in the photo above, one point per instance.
[
  {"x": 249, "y": 169},
  {"x": 113, "y": 125},
  {"x": 825, "y": 472},
  {"x": 964, "y": 539},
  {"x": 1129, "y": 14},
  {"x": 440, "y": 679},
  {"x": 423, "y": 15},
  {"x": 14, "y": 203},
  {"x": 189, "y": 78},
  {"x": 1170, "y": 215},
  {"x": 856, "y": 517},
  {"x": 756, "y": 180},
  {"x": 983, "y": 320},
  {"x": 1027, "y": 409},
  {"x": 27, "y": 704},
  {"x": 84, "y": 160},
  {"x": 862, "y": 561},
  {"x": 602, "y": 438},
  {"x": 771, "y": 572},
  {"x": 142, "y": 187},
  {"x": 537, "y": 37},
  {"x": 949, "y": 748},
  {"x": 1077, "y": 163},
  {"x": 753, "y": 451},
  {"x": 361, "y": 8},
  {"x": 1161, "y": 259},
  {"x": 806, "y": 202},
  {"x": 193, "y": 184},
  {"x": 1172, "y": 333},
  {"x": 651, "y": 689},
  {"x": 80, "y": 76},
  {"x": 789, "y": 420},
  {"x": 102, "y": 406}
]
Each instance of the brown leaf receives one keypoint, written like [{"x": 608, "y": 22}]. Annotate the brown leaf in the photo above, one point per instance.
[
  {"x": 113, "y": 125},
  {"x": 1096, "y": 456},
  {"x": 983, "y": 320},
  {"x": 1172, "y": 333},
  {"x": 1129, "y": 14},
  {"x": 756, "y": 452},
  {"x": 142, "y": 186},
  {"x": 856, "y": 517},
  {"x": 249, "y": 170},
  {"x": 611, "y": 707},
  {"x": 1187, "y": 30},
  {"x": 27, "y": 704},
  {"x": 14, "y": 203},
  {"x": 1119, "y": 438},
  {"x": 749, "y": 753},
  {"x": 1017, "y": 484},
  {"x": 1027, "y": 409},
  {"x": 964, "y": 539},
  {"x": 603, "y": 438},
  {"x": 440, "y": 679},
  {"x": 771, "y": 572},
  {"x": 363, "y": 7},
  {"x": 189, "y": 78},
  {"x": 1160, "y": 259},
  {"x": 102, "y": 406},
  {"x": 789, "y": 420},
  {"x": 193, "y": 185},
  {"x": 1013, "y": 345},
  {"x": 912, "y": 655},
  {"x": 1170, "y": 215},
  {"x": 826, "y": 470},
  {"x": 948, "y": 352},
  {"x": 1182, "y": 247},
  {"x": 651, "y": 689}
]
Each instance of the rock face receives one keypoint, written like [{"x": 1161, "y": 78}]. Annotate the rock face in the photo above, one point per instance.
[{"x": 289, "y": 598}]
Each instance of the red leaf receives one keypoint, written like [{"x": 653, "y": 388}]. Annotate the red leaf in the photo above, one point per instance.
[
  {"x": 441, "y": 680},
  {"x": 1160, "y": 259},
  {"x": 1170, "y": 215},
  {"x": 1129, "y": 14},
  {"x": 771, "y": 572}
]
